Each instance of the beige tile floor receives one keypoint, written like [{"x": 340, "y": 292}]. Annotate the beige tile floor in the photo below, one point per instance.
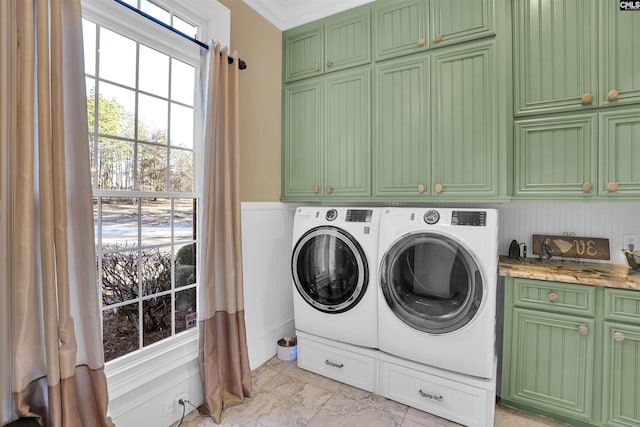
[{"x": 287, "y": 396}]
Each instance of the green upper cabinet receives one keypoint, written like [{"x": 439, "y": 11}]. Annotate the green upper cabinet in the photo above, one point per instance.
[
  {"x": 620, "y": 55},
  {"x": 620, "y": 153},
  {"x": 400, "y": 27},
  {"x": 303, "y": 138},
  {"x": 331, "y": 44},
  {"x": 555, "y": 55},
  {"x": 347, "y": 147},
  {"x": 455, "y": 21},
  {"x": 464, "y": 141},
  {"x": 401, "y": 132},
  {"x": 303, "y": 52},
  {"x": 556, "y": 156},
  {"x": 348, "y": 40}
]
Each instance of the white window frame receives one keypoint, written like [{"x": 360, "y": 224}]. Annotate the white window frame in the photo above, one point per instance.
[{"x": 129, "y": 372}]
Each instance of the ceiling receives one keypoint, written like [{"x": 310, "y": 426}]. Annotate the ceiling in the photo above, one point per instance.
[{"x": 285, "y": 14}]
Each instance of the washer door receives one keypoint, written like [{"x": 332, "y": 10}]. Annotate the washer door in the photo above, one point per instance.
[
  {"x": 431, "y": 282},
  {"x": 329, "y": 269}
]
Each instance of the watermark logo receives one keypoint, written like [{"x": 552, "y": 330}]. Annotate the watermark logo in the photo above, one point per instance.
[{"x": 629, "y": 5}]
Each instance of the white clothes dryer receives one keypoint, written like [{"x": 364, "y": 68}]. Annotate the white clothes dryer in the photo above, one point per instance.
[
  {"x": 334, "y": 269},
  {"x": 437, "y": 287}
]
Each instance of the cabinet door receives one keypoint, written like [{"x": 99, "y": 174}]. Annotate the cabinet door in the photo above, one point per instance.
[
  {"x": 551, "y": 362},
  {"x": 303, "y": 51},
  {"x": 620, "y": 153},
  {"x": 464, "y": 113},
  {"x": 401, "y": 133},
  {"x": 620, "y": 55},
  {"x": 400, "y": 27},
  {"x": 302, "y": 140},
  {"x": 348, "y": 40},
  {"x": 556, "y": 156},
  {"x": 621, "y": 375},
  {"x": 347, "y": 155},
  {"x": 555, "y": 55},
  {"x": 456, "y": 21}
]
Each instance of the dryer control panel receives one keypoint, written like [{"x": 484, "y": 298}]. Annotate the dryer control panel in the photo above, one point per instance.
[
  {"x": 473, "y": 218},
  {"x": 359, "y": 215}
]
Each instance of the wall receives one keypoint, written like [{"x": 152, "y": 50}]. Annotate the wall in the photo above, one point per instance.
[{"x": 259, "y": 43}]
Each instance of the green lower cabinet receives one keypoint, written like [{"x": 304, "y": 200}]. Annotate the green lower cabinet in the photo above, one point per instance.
[
  {"x": 556, "y": 157},
  {"x": 620, "y": 153},
  {"x": 552, "y": 359},
  {"x": 621, "y": 377}
]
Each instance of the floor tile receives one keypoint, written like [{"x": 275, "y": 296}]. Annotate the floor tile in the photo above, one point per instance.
[
  {"x": 311, "y": 378},
  {"x": 374, "y": 400},
  {"x": 340, "y": 411},
  {"x": 416, "y": 417}
]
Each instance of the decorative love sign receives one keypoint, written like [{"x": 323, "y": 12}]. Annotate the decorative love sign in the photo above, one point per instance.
[{"x": 573, "y": 246}]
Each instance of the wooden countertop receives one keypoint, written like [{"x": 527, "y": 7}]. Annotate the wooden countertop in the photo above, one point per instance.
[{"x": 586, "y": 273}]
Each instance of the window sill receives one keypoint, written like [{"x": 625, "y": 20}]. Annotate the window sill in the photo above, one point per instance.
[{"x": 132, "y": 371}]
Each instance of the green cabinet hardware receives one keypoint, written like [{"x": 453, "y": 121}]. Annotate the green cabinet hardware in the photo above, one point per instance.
[
  {"x": 556, "y": 156},
  {"x": 620, "y": 55},
  {"x": 464, "y": 141},
  {"x": 620, "y": 153},
  {"x": 400, "y": 27},
  {"x": 555, "y": 55},
  {"x": 572, "y": 352},
  {"x": 327, "y": 140},
  {"x": 332, "y": 44},
  {"x": 401, "y": 136}
]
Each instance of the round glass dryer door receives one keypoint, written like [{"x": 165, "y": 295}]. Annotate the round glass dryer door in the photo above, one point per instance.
[
  {"x": 431, "y": 282},
  {"x": 329, "y": 269}
]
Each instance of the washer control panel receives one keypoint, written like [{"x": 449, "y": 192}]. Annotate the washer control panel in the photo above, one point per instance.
[{"x": 473, "y": 218}]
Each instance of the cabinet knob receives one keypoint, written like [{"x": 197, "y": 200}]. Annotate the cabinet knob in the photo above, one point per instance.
[
  {"x": 583, "y": 330},
  {"x": 612, "y": 186},
  {"x": 438, "y": 188},
  {"x": 587, "y": 187},
  {"x": 329, "y": 189},
  {"x": 316, "y": 67},
  {"x": 421, "y": 188},
  {"x": 552, "y": 297},
  {"x": 612, "y": 95},
  {"x": 437, "y": 37},
  {"x": 586, "y": 98},
  {"x": 316, "y": 189},
  {"x": 618, "y": 336},
  {"x": 329, "y": 64},
  {"x": 420, "y": 41}
]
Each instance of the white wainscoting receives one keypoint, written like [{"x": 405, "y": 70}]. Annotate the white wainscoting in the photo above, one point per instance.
[{"x": 268, "y": 300}]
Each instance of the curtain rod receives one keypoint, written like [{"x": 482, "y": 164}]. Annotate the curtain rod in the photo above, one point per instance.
[{"x": 241, "y": 64}]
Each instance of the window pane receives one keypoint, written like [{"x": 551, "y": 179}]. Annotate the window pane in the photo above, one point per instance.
[
  {"x": 186, "y": 317},
  {"x": 183, "y": 214},
  {"x": 156, "y": 270},
  {"x": 117, "y": 58},
  {"x": 120, "y": 331},
  {"x": 89, "y": 40},
  {"x": 157, "y": 319},
  {"x": 152, "y": 119},
  {"x": 155, "y": 11},
  {"x": 96, "y": 225},
  {"x": 119, "y": 222},
  {"x": 92, "y": 159},
  {"x": 155, "y": 220},
  {"x": 152, "y": 167},
  {"x": 181, "y": 174},
  {"x": 154, "y": 72},
  {"x": 185, "y": 27},
  {"x": 182, "y": 82},
  {"x": 90, "y": 86},
  {"x": 119, "y": 277},
  {"x": 181, "y": 126},
  {"x": 186, "y": 265},
  {"x": 115, "y": 164},
  {"x": 115, "y": 110}
]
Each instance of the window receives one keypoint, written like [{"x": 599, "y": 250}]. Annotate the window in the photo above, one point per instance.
[{"x": 143, "y": 130}]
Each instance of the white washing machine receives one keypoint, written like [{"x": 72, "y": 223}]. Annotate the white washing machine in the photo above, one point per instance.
[
  {"x": 334, "y": 268},
  {"x": 437, "y": 287}
]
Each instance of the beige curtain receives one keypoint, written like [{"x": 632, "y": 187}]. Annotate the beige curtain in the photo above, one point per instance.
[
  {"x": 224, "y": 360},
  {"x": 57, "y": 360}
]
